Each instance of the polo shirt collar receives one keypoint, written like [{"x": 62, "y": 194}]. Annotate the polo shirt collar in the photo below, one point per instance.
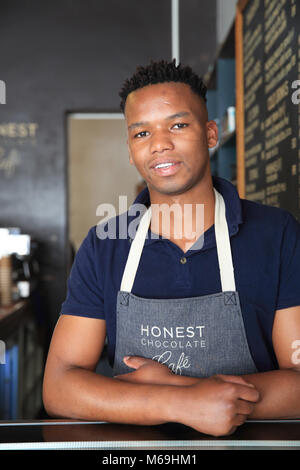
[{"x": 233, "y": 206}]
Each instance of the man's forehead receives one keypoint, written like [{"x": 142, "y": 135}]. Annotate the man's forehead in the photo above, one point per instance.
[
  {"x": 177, "y": 96},
  {"x": 165, "y": 90}
]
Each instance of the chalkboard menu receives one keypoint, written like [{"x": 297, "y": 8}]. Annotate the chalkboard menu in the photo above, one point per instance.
[{"x": 268, "y": 69}]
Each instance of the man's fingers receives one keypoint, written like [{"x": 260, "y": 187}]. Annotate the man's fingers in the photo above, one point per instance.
[
  {"x": 135, "y": 361},
  {"x": 247, "y": 393},
  {"x": 244, "y": 407},
  {"x": 239, "y": 419},
  {"x": 235, "y": 379}
]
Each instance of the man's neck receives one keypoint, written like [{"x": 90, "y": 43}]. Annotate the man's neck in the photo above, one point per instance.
[{"x": 183, "y": 218}]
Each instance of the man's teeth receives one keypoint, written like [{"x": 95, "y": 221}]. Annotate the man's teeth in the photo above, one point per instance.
[{"x": 164, "y": 165}]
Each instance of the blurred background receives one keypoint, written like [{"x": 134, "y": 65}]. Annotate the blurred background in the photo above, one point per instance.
[{"x": 63, "y": 145}]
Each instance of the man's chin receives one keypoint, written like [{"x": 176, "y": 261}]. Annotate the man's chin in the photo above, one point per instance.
[
  {"x": 168, "y": 191},
  {"x": 171, "y": 189}
]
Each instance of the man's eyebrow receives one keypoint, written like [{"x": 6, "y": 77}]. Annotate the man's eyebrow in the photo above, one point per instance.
[
  {"x": 137, "y": 124},
  {"x": 178, "y": 115},
  {"x": 168, "y": 118}
]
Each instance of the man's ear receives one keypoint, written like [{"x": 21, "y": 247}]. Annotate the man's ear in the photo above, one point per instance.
[{"x": 212, "y": 133}]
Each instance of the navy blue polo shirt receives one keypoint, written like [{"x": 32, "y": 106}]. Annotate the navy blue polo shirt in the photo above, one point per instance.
[{"x": 265, "y": 244}]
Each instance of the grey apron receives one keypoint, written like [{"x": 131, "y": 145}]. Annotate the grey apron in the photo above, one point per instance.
[{"x": 197, "y": 336}]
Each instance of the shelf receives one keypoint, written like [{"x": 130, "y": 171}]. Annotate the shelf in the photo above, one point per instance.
[
  {"x": 23, "y": 365},
  {"x": 221, "y": 95},
  {"x": 225, "y": 139}
]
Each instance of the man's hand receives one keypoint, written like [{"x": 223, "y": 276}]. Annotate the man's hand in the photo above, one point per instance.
[
  {"x": 147, "y": 371},
  {"x": 216, "y": 405}
]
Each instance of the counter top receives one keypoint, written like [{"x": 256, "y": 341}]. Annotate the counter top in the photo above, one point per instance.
[{"x": 80, "y": 435}]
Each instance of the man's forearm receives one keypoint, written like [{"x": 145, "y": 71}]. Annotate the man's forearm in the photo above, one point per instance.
[
  {"x": 82, "y": 394},
  {"x": 212, "y": 406},
  {"x": 279, "y": 393}
]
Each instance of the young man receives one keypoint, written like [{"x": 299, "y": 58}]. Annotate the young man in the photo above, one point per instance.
[{"x": 202, "y": 328}]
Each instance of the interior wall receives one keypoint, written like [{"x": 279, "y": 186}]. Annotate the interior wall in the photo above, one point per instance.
[
  {"x": 70, "y": 56},
  {"x": 226, "y": 10},
  {"x": 197, "y": 30},
  {"x": 58, "y": 57},
  {"x": 98, "y": 163}
]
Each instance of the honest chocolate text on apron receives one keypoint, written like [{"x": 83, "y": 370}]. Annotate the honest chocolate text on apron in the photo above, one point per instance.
[{"x": 196, "y": 336}]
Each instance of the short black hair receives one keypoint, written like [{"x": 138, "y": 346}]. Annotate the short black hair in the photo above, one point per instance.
[{"x": 160, "y": 72}]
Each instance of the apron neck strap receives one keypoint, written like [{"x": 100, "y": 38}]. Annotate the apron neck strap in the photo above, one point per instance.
[
  {"x": 135, "y": 252},
  {"x": 222, "y": 242},
  {"x": 223, "y": 245}
]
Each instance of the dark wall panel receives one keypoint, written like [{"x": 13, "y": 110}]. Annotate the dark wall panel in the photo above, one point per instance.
[
  {"x": 59, "y": 56},
  {"x": 198, "y": 33},
  {"x": 73, "y": 55}
]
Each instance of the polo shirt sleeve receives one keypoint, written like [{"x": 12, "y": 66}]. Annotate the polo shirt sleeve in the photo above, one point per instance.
[
  {"x": 289, "y": 277},
  {"x": 84, "y": 289}
]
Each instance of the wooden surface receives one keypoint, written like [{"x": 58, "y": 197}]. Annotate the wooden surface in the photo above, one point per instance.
[
  {"x": 240, "y": 124},
  {"x": 71, "y": 434}
]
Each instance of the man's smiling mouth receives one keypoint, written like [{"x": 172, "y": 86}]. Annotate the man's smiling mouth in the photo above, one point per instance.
[
  {"x": 164, "y": 165},
  {"x": 166, "y": 168}
]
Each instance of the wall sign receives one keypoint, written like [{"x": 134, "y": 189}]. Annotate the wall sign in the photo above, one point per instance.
[
  {"x": 14, "y": 135},
  {"x": 268, "y": 110}
]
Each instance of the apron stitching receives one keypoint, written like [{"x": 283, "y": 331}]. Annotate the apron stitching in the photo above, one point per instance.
[
  {"x": 230, "y": 299},
  {"x": 179, "y": 299}
]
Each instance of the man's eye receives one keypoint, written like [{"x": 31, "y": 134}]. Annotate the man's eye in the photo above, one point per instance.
[
  {"x": 140, "y": 134},
  {"x": 180, "y": 125}
]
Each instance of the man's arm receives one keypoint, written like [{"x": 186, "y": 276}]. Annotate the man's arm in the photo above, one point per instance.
[
  {"x": 72, "y": 388},
  {"x": 279, "y": 390}
]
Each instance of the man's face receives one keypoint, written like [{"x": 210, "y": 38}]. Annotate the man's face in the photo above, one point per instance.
[{"x": 169, "y": 136}]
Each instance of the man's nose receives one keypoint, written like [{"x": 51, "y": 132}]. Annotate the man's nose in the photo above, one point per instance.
[{"x": 161, "y": 141}]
